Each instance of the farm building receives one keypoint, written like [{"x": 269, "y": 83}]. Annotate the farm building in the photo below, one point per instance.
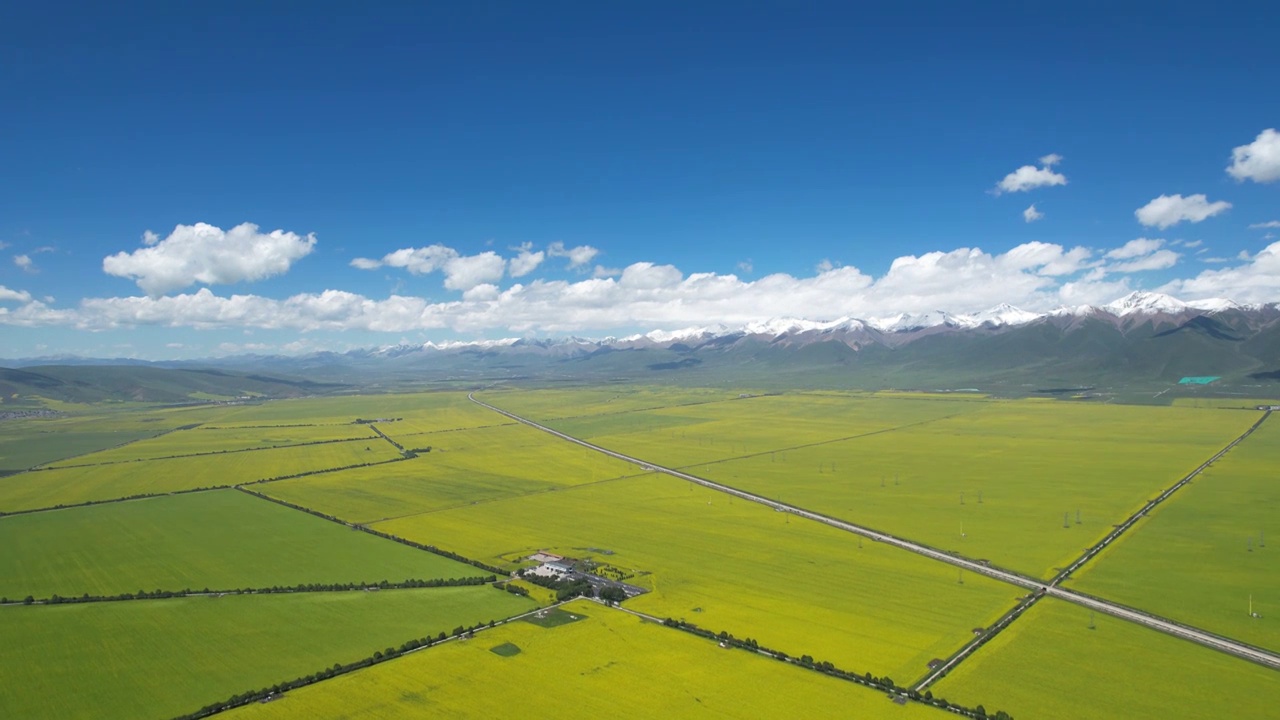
[{"x": 551, "y": 570}]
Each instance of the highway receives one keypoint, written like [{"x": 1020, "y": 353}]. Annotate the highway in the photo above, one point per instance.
[{"x": 1048, "y": 588}]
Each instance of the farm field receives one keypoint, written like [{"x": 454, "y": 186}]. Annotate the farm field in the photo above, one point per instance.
[
  {"x": 684, "y": 436},
  {"x": 419, "y": 412},
  {"x": 1199, "y": 557},
  {"x": 609, "y": 663},
  {"x": 799, "y": 587},
  {"x": 464, "y": 467},
  {"x": 222, "y": 539},
  {"x": 29, "y": 442},
  {"x": 588, "y": 401},
  {"x": 161, "y": 658},
  {"x": 202, "y": 441},
  {"x": 987, "y": 479},
  {"x": 49, "y": 488},
  {"x": 1050, "y": 664}
]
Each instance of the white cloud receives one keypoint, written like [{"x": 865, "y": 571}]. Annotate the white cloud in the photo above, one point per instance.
[
  {"x": 826, "y": 266},
  {"x": 526, "y": 261},
  {"x": 1189, "y": 243},
  {"x": 603, "y": 272},
  {"x": 7, "y": 295},
  {"x": 1268, "y": 224},
  {"x": 578, "y": 256},
  {"x": 645, "y": 295},
  {"x": 1136, "y": 248},
  {"x": 1256, "y": 280},
  {"x": 1258, "y": 161},
  {"x": 1030, "y": 177},
  {"x": 468, "y": 271},
  {"x": 1046, "y": 259},
  {"x": 205, "y": 254},
  {"x": 26, "y": 263},
  {"x": 1158, "y": 260},
  {"x": 1169, "y": 210},
  {"x": 1031, "y": 214},
  {"x": 746, "y": 266},
  {"x": 461, "y": 272}
]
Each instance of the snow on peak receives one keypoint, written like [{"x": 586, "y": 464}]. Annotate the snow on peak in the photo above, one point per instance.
[
  {"x": 1004, "y": 314},
  {"x": 903, "y": 322},
  {"x": 1145, "y": 302}
]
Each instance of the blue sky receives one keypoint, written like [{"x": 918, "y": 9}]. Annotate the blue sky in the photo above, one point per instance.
[{"x": 499, "y": 170}]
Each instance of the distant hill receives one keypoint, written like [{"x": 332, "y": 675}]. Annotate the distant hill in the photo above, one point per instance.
[
  {"x": 95, "y": 383},
  {"x": 1144, "y": 340}
]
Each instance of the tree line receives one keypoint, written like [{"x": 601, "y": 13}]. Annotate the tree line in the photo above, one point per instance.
[
  {"x": 274, "y": 589},
  {"x": 867, "y": 679},
  {"x": 378, "y": 656},
  {"x": 208, "y": 452},
  {"x": 385, "y": 536}
]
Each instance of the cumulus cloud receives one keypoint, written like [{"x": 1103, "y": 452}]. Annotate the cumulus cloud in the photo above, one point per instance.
[
  {"x": 208, "y": 255},
  {"x": 578, "y": 256},
  {"x": 1169, "y": 210},
  {"x": 1268, "y": 224},
  {"x": 25, "y": 263},
  {"x": 1031, "y": 214},
  {"x": 468, "y": 271},
  {"x": 646, "y": 295},
  {"x": 1255, "y": 280},
  {"x": 1258, "y": 161},
  {"x": 461, "y": 272},
  {"x": 7, "y": 295},
  {"x": 1030, "y": 177},
  {"x": 526, "y": 261}
]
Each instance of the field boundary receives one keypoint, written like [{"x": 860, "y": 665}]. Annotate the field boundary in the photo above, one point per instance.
[
  {"x": 408, "y": 647},
  {"x": 410, "y": 584},
  {"x": 377, "y": 533},
  {"x": 198, "y": 454}
]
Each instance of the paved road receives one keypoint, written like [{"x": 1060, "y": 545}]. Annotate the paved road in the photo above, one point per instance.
[{"x": 1248, "y": 652}]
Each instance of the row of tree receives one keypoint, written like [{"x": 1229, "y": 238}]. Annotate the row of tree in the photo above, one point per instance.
[
  {"x": 136, "y": 496},
  {"x": 386, "y": 536},
  {"x": 301, "y": 588},
  {"x": 827, "y": 668},
  {"x": 211, "y": 452},
  {"x": 268, "y": 693}
]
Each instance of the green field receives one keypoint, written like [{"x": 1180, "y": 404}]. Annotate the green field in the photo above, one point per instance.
[
  {"x": 49, "y": 488},
  {"x": 987, "y": 479},
  {"x": 463, "y": 467},
  {"x": 797, "y": 586},
  {"x": 1049, "y": 664},
  {"x": 1200, "y": 556},
  {"x": 418, "y": 412},
  {"x": 200, "y": 440},
  {"x": 222, "y": 539},
  {"x": 161, "y": 658},
  {"x": 610, "y": 664},
  {"x": 551, "y": 404}
]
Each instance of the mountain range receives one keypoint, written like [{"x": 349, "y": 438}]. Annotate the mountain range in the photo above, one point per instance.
[{"x": 1144, "y": 338}]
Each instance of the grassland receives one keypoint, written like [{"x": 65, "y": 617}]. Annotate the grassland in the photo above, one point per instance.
[
  {"x": 464, "y": 467},
  {"x": 202, "y": 441},
  {"x": 66, "y": 486},
  {"x": 987, "y": 479},
  {"x": 1199, "y": 557},
  {"x": 610, "y": 664},
  {"x": 1049, "y": 664},
  {"x": 161, "y": 658},
  {"x": 222, "y": 539},
  {"x": 800, "y": 587}
]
